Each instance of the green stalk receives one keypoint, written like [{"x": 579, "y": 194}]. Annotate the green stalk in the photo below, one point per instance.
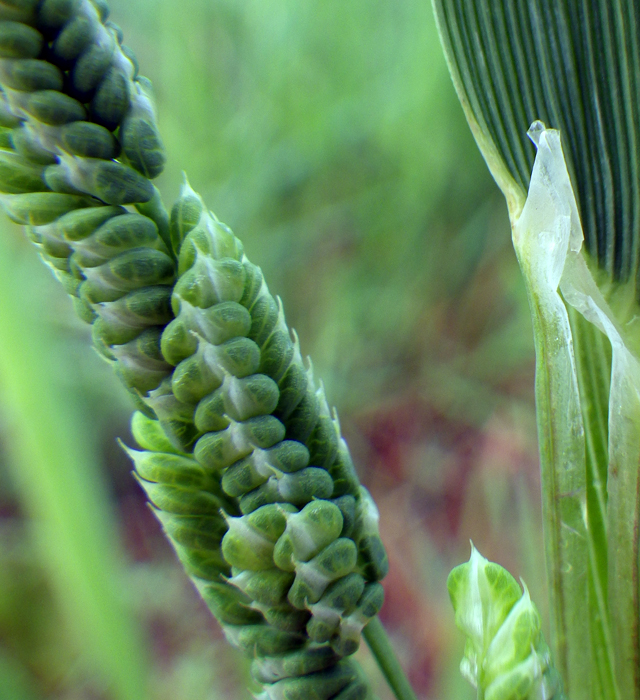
[
  {"x": 376, "y": 637},
  {"x": 593, "y": 364},
  {"x": 623, "y": 516},
  {"x": 562, "y": 464}
]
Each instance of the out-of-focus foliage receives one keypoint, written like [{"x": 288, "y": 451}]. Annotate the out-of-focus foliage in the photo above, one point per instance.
[{"x": 328, "y": 136}]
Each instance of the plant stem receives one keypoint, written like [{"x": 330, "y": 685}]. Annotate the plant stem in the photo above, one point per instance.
[
  {"x": 378, "y": 641},
  {"x": 593, "y": 367}
]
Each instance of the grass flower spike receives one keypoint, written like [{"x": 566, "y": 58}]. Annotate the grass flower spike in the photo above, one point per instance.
[
  {"x": 506, "y": 657},
  {"x": 241, "y": 458}
]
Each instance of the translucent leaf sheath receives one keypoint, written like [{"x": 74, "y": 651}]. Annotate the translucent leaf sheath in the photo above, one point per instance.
[
  {"x": 550, "y": 221},
  {"x": 242, "y": 459},
  {"x": 542, "y": 246}
]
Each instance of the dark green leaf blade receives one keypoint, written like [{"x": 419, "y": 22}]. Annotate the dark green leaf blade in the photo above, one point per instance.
[{"x": 575, "y": 66}]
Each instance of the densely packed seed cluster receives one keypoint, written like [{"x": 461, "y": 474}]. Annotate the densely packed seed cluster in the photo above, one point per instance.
[
  {"x": 280, "y": 512},
  {"x": 241, "y": 458},
  {"x": 71, "y": 103}
]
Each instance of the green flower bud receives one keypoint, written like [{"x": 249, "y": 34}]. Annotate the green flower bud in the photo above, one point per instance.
[
  {"x": 347, "y": 639},
  {"x": 30, "y": 74},
  {"x": 57, "y": 179},
  {"x": 88, "y": 140},
  {"x": 127, "y": 52},
  {"x": 77, "y": 225},
  {"x": 505, "y": 654},
  {"x": 174, "y": 470},
  {"x": 248, "y": 397},
  {"x": 210, "y": 239},
  {"x": 91, "y": 66},
  {"x": 252, "y": 471},
  {"x": 139, "y": 136},
  {"x": 343, "y": 472},
  {"x": 176, "y": 418},
  {"x": 304, "y": 417},
  {"x": 116, "y": 29},
  {"x": 111, "y": 101},
  {"x": 372, "y": 557},
  {"x": 219, "y": 450},
  {"x": 236, "y": 358},
  {"x": 19, "y": 41},
  {"x": 102, "y": 9},
  {"x": 347, "y": 505},
  {"x": 5, "y": 135},
  {"x": 340, "y": 597},
  {"x": 293, "y": 385},
  {"x": 125, "y": 272},
  {"x": 179, "y": 341},
  {"x": 284, "y": 617},
  {"x": 307, "y": 533},
  {"x": 19, "y": 11},
  {"x": 27, "y": 143},
  {"x": 83, "y": 310},
  {"x": 197, "y": 532},
  {"x": 183, "y": 501},
  {"x": 116, "y": 235},
  {"x": 55, "y": 262},
  {"x": 254, "y": 287},
  {"x": 298, "y": 488},
  {"x": 293, "y": 664},
  {"x": 267, "y": 587},
  {"x": 251, "y": 538},
  {"x": 69, "y": 283},
  {"x": 185, "y": 215},
  {"x": 228, "y": 604},
  {"x": 18, "y": 176},
  {"x": 51, "y": 107},
  {"x": 321, "y": 685},
  {"x": 265, "y": 317},
  {"x": 74, "y": 38},
  {"x": 39, "y": 208},
  {"x": 216, "y": 324},
  {"x": 123, "y": 320},
  {"x": 262, "y": 640},
  {"x": 358, "y": 689},
  {"x": 528, "y": 679},
  {"x": 208, "y": 564},
  {"x": 107, "y": 180},
  {"x": 50, "y": 244},
  {"x": 277, "y": 353},
  {"x": 53, "y": 14},
  {"x": 313, "y": 577},
  {"x": 149, "y": 435},
  {"x": 211, "y": 281},
  {"x": 518, "y": 634},
  {"x": 482, "y": 594},
  {"x": 195, "y": 378},
  {"x": 210, "y": 415},
  {"x": 324, "y": 438},
  {"x": 140, "y": 362}
]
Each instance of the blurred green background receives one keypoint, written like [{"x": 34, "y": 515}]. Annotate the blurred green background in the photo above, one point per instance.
[{"x": 328, "y": 136}]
